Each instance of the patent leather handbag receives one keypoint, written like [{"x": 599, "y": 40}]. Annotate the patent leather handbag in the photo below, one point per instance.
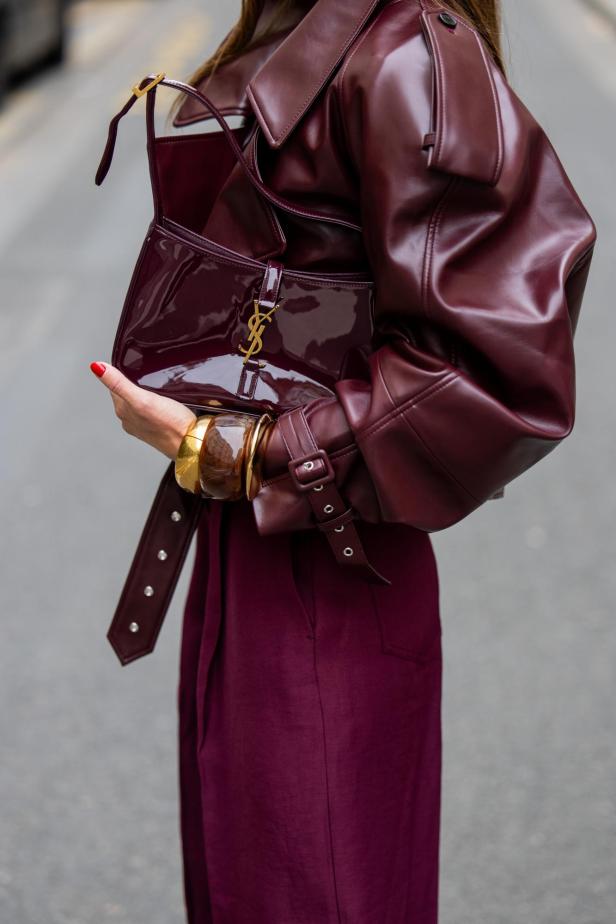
[{"x": 208, "y": 326}]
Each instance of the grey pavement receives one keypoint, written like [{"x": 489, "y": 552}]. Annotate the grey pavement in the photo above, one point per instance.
[{"x": 88, "y": 780}]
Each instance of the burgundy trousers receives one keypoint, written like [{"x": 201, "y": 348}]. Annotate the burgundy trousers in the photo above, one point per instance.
[{"x": 309, "y": 728}]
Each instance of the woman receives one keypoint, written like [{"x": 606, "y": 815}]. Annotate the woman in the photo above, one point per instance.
[{"x": 309, "y": 692}]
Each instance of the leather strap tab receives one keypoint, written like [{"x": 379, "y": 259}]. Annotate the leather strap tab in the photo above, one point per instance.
[
  {"x": 312, "y": 473},
  {"x": 105, "y": 162},
  {"x": 467, "y": 134},
  {"x": 270, "y": 287},
  {"x": 155, "y": 569}
]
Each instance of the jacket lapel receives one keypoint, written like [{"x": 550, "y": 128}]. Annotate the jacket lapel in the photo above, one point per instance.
[
  {"x": 290, "y": 80},
  {"x": 226, "y": 87}
]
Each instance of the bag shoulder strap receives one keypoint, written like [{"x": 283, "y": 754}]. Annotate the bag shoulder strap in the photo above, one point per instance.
[{"x": 148, "y": 87}]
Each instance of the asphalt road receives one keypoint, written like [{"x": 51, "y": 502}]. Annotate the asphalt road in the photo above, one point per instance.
[{"x": 88, "y": 789}]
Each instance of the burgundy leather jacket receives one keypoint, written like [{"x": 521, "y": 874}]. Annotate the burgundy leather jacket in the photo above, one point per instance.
[
  {"x": 391, "y": 118},
  {"x": 383, "y": 115}
]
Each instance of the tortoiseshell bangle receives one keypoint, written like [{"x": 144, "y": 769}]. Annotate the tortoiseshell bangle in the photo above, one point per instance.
[{"x": 223, "y": 456}]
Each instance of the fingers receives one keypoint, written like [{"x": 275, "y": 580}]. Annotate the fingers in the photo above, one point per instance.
[
  {"x": 117, "y": 383},
  {"x": 157, "y": 420}
]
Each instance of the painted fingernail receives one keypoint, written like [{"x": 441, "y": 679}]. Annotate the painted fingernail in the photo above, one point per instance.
[{"x": 98, "y": 369}]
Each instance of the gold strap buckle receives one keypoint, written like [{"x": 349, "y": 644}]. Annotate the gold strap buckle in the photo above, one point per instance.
[{"x": 137, "y": 91}]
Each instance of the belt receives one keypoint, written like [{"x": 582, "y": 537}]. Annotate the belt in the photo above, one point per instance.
[
  {"x": 155, "y": 569},
  {"x": 312, "y": 473},
  {"x": 173, "y": 518}
]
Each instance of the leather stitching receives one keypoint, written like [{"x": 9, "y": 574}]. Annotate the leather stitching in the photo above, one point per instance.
[
  {"x": 365, "y": 434},
  {"x": 436, "y": 458},
  {"x": 284, "y": 440},
  {"x": 291, "y": 422},
  {"x": 309, "y": 432},
  {"x": 497, "y": 113},
  {"x": 417, "y": 399},
  {"x": 442, "y": 108},
  {"x": 382, "y": 378}
]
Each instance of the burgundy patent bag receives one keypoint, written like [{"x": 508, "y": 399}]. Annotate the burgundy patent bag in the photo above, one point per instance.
[
  {"x": 217, "y": 330},
  {"x": 208, "y": 326}
]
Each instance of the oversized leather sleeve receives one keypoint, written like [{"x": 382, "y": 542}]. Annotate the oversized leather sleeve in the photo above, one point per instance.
[{"x": 480, "y": 249}]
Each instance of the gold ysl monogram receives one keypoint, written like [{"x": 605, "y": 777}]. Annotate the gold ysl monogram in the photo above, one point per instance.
[{"x": 256, "y": 326}]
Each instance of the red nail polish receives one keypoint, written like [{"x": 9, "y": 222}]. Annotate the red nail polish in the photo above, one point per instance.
[{"x": 98, "y": 369}]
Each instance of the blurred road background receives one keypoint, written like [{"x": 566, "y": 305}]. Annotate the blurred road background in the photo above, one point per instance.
[{"x": 88, "y": 798}]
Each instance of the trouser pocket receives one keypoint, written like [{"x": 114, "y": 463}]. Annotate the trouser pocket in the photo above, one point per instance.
[{"x": 407, "y": 611}]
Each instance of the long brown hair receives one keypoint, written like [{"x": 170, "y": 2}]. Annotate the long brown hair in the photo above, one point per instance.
[{"x": 249, "y": 32}]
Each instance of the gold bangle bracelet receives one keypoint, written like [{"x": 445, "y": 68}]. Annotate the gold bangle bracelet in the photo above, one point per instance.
[
  {"x": 187, "y": 459},
  {"x": 261, "y": 427}
]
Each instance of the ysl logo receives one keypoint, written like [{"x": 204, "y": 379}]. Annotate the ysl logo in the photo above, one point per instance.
[{"x": 256, "y": 326}]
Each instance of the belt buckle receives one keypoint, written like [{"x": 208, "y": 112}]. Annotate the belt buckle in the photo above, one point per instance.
[{"x": 307, "y": 462}]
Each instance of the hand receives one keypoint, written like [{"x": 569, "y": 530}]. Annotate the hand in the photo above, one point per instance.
[{"x": 161, "y": 422}]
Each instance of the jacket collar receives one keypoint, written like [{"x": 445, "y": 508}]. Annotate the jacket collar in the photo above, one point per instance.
[
  {"x": 289, "y": 81},
  {"x": 226, "y": 87}
]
